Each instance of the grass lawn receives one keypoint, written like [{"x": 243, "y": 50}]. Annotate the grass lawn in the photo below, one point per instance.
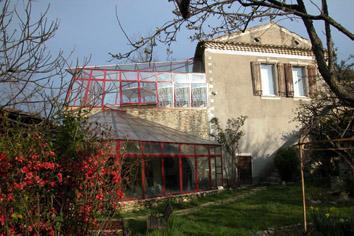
[{"x": 269, "y": 207}]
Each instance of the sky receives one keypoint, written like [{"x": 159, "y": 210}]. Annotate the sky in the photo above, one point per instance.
[{"x": 89, "y": 27}]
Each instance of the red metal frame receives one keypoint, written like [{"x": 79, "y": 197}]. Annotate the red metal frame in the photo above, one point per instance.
[
  {"x": 85, "y": 101},
  {"x": 142, "y": 155}
]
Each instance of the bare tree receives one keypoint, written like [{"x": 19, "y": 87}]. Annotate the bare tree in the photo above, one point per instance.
[
  {"x": 31, "y": 77},
  {"x": 229, "y": 138},
  {"x": 210, "y": 18}
]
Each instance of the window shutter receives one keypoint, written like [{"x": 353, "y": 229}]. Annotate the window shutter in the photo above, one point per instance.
[
  {"x": 281, "y": 80},
  {"x": 256, "y": 78},
  {"x": 311, "y": 72},
  {"x": 289, "y": 80}
]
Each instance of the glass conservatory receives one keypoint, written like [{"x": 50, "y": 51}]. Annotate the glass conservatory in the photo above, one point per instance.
[
  {"x": 161, "y": 84},
  {"x": 158, "y": 160}
]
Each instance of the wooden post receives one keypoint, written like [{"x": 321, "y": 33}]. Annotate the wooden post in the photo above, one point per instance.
[{"x": 303, "y": 185}]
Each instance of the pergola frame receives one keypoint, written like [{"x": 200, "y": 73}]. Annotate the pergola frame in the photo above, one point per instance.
[{"x": 142, "y": 156}]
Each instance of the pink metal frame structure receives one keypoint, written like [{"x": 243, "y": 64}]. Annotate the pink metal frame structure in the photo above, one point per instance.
[
  {"x": 213, "y": 153},
  {"x": 138, "y": 84},
  {"x": 90, "y": 87}
]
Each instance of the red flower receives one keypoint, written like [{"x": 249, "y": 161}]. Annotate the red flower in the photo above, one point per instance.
[
  {"x": 19, "y": 186},
  {"x": 51, "y": 154},
  {"x": 10, "y": 197},
  {"x": 99, "y": 196},
  {"x": 25, "y": 170},
  {"x": 2, "y": 220},
  {"x": 60, "y": 177},
  {"x": 20, "y": 159}
]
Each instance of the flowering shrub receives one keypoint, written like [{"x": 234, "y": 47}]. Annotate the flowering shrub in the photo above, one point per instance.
[{"x": 55, "y": 183}]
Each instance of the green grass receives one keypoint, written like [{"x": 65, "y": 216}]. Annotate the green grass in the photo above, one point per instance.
[{"x": 271, "y": 207}]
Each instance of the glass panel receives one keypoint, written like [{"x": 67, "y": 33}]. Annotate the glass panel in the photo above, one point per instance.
[
  {"x": 153, "y": 177},
  {"x": 213, "y": 172},
  {"x": 129, "y": 147},
  {"x": 152, "y": 148},
  {"x": 148, "y": 76},
  {"x": 188, "y": 174},
  {"x": 187, "y": 149},
  {"x": 95, "y": 93},
  {"x": 199, "y": 95},
  {"x": 164, "y": 77},
  {"x": 148, "y": 92},
  {"x": 203, "y": 173},
  {"x": 181, "y": 78},
  {"x": 98, "y": 74},
  {"x": 267, "y": 78},
  {"x": 198, "y": 78},
  {"x": 131, "y": 177},
  {"x": 84, "y": 74},
  {"x": 78, "y": 92},
  {"x": 112, "y": 75},
  {"x": 200, "y": 149},
  {"x": 130, "y": 92},
  {"x": 128, "y": 75},
  {"x": 299, "y": 81},
  {"x": 218, "y": 169},
  {"x": 182, "y": 95},
  {"x": 171, "y": 148},
  {"x": 112, "y": 93},
  {"x": 165, "y": 94},
  {"x": 172, "y": 175}
]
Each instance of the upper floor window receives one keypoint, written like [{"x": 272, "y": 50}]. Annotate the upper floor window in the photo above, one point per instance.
[
  {"x": 283, "y": 79},
  {"x": 299, "y": 81},
  {"x": 268, "y": 80}
]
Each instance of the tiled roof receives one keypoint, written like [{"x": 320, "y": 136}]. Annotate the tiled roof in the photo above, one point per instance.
[{"x": 258, "y": 48}]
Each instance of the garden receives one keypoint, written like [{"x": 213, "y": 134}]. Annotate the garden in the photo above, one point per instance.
[{"x": 276, "y": 210}]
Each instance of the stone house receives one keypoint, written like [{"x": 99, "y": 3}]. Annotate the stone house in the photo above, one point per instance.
[
  {"x": 263, "y": 73},
  {"x": 163, "y": 109}
]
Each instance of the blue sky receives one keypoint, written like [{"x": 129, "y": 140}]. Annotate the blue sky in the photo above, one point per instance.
[{"x": 89, "y": 27}]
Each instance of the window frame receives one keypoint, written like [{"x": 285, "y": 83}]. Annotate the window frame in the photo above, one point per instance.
[
  {"x": 274, "y": 79},
  {"x": 305, "y": 85}
]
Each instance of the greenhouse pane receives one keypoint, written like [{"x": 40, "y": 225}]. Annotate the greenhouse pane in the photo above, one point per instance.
[
  {"x": 130, "y": 92},
  {"x": 164, "y": 76},
  {"x": 182, "y": 95},
  {"x": 199, "y": 95},
  {"x": 147, "y": 92},
  {"x": 148, "y": 76},
  {"x": 152, "y": 148},
  {"x": 128, "y": 75},
  {"x": 112, "y": 93},
  {"x": 165, "y": 93}
]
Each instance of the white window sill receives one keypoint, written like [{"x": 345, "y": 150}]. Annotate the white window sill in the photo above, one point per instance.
[
  {"x": 270, "y": 97},
  {"x": 302, "y": 98}
]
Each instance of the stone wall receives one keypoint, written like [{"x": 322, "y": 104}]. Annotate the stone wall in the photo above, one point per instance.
[{"x": 191, "y": 121}]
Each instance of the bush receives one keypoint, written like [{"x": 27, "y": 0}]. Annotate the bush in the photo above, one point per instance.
[
  {"x": 287, "y": 164},
  {"x": 331, "y": 223},
  {"x": 55, "y": 183},
  {"x": 349, "y": 186}
]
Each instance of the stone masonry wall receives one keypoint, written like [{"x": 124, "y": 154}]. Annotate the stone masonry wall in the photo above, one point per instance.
[{"x": 191, "y": 121}]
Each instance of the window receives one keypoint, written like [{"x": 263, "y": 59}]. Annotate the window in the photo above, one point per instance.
[
  {"x": 182, "y": 95},
  {"x": 199, "y": 95},
  {"x": 267, "y": 80},
  {"x": 299, "y": 82}
]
